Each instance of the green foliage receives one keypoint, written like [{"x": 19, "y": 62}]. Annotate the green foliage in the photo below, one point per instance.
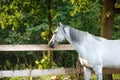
[
  {"x": 116, "y": 33},
  {"x": 15, "y": 37},
  {"x": 45, "y": 63},
  {"x": 80, "y": 6},
  {"x": 20, "y": 13},
  {"x": 117, "y": 5},
  {"x": 89, "y": 20},
  {"x": 44, "y": 33}
]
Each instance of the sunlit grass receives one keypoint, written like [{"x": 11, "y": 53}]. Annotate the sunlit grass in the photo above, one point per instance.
[
  {"x": 116, "y": 76},
  {"x": 58, "y": 77}
]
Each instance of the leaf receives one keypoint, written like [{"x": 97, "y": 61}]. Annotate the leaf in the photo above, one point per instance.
[
  {"x": 37, "y": 62},
  {"x": 2, "y": 25},
  {"x": 72, "y": 1},
  {"x": 117, "y": 5},
  {"x": 13, "y": 28}
]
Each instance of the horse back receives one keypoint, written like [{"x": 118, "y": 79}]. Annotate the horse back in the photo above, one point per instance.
[{"x": 111, "y": 55}]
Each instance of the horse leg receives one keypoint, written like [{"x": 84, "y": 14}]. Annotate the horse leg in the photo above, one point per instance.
[
  {"x": 87, "y": 73},
  {"x": 98, "y": 72}
]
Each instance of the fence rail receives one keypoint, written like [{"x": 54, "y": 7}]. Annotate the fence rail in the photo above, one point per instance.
[
  {"x": 41, "y": 72},
  {"x": 30, "y": 47}
]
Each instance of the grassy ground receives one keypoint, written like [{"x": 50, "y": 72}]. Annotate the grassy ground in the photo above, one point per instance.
[
  {"x": 116, "y": 76},
  {"x": 59, "y": 77}
]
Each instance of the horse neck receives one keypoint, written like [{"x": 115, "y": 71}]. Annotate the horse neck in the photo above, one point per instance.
[{"x": 77, "y": 36}]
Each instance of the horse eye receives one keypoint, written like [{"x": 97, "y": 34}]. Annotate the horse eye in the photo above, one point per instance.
[{"x": 55, "y": 32}]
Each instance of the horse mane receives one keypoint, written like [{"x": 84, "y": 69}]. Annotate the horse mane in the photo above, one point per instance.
[
  {"x": 77, "y": 35},
  {"x": 96, "y": 37}
]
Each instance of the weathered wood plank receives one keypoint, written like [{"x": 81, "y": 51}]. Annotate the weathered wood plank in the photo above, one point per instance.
[
  {"x": 43, "y": 72},
  {"x": 41, "y": 47},
  {"x": 111, "y": 71},
  {"x": 34, "y": 73}
]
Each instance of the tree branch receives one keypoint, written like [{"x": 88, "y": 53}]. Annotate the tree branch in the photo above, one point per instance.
[{"x": 117, "y": 10}]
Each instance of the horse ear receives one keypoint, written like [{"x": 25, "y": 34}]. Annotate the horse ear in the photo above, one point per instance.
[{"x": 59, "y": 24}]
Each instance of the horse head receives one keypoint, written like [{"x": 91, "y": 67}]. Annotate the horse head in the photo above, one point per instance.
[{"x": 58, "y": 36}]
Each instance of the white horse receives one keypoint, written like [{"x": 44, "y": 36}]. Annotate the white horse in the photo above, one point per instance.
[{"x": 94, "y": 52}]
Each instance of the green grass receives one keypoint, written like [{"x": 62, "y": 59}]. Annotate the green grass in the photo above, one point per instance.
[
  {"x": 61, "y": 77},
  {"x": 116, "y": 76}
]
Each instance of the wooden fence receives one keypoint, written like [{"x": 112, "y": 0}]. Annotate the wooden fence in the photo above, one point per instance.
[{"x": 41, "y": 72}]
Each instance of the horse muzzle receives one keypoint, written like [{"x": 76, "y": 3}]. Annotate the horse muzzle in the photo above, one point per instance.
[{"x": 51, "y": 44}]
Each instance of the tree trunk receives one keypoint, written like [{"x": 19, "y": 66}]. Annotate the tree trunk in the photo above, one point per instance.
[
  {"x": 108, "y": 19},
  {"x": 107, "y": 23},
  {"x": 49, "y": 19},
  {"x": 50, "y": 53}
]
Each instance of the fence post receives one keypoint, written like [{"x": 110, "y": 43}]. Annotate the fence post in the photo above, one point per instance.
[{"x": 79, "y": 76}]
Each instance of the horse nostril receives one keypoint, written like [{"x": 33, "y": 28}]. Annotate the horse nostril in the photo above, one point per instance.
[{"x": 51, "y": 44}]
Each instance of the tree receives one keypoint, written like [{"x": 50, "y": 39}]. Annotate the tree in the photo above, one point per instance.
[{"x": 109, "y": 11}]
